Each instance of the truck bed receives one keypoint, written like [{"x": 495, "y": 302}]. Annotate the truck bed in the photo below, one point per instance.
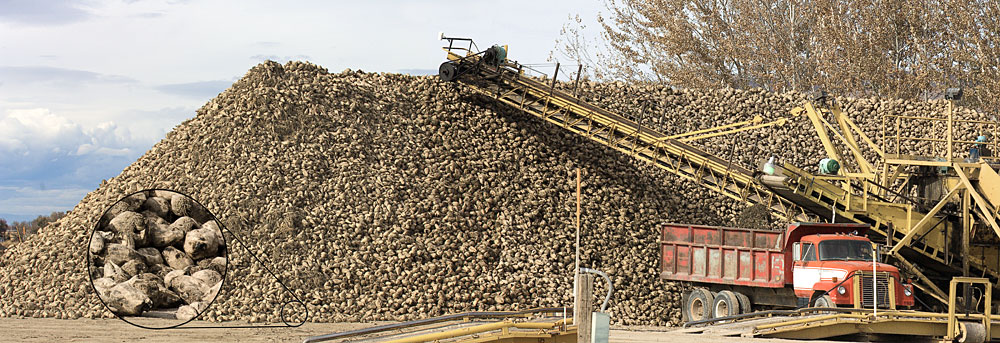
[{"x": 722, "y": 255}]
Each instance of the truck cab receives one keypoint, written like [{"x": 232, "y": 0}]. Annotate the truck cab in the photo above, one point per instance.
[{"x": 840, "y": 266}]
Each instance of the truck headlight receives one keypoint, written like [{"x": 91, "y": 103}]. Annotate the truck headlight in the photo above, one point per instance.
[
  {"x": 842, "y": 290},
  {"x": 907, "y": 291}
]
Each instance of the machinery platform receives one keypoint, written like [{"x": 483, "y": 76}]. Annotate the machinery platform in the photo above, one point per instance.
[
  {"x": 548, "y": 325},
  {"x": 829, "y": 323}
]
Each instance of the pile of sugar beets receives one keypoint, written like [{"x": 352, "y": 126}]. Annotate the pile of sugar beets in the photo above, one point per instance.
[
  {"x": 380, "y": 196},
  {"x": 157, "y": 249}
]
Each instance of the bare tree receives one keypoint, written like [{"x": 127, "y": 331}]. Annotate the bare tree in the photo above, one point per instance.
[{"x": 890, "y": 48}]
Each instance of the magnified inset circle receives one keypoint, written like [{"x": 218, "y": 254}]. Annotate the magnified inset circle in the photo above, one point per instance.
[{"x": 157, "y": 253}]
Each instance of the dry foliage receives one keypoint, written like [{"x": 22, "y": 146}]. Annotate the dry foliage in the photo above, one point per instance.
[{"x": 889, "y": 48}]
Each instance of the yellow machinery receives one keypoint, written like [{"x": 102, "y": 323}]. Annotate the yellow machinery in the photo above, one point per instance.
[
  {"x": 549, "y": 325},
  {"x": 925, "y": 209},
  {"x": 971, "y": 328},
  {"x": 904, "y": 197},
  {"x": 919, "y": 206}
]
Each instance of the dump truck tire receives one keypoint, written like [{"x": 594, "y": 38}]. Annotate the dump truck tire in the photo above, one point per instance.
[
  {"x": 725, "y": 304},
  {"x": 744, "y": 302},
  {"x": 698, "y": 305},
  {"x": 824, "y": 301}
]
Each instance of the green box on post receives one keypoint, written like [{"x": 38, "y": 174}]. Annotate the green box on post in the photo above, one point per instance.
[{"x": 599, "y": 329}]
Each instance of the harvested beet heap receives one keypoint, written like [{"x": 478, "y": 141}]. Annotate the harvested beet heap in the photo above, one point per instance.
[{"x": 394, "y": 197}]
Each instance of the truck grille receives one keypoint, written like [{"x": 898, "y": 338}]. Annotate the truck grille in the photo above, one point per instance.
[{"x": 882, "y": 287}]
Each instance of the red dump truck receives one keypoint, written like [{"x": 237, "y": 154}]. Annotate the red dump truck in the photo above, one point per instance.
[{"x": 733, "y": 270}]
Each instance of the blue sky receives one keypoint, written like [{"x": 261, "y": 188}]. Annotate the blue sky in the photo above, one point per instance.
[{"x": 86, "y": 87}]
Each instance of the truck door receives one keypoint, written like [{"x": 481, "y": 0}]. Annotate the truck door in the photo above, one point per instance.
[{"x": 806, "y": 269}]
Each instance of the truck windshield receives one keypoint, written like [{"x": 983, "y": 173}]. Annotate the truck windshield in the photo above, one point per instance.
[{"x": 845, "y": 250}]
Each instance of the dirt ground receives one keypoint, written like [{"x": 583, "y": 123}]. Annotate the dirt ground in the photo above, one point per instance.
[{"x": 114, "y": 330}]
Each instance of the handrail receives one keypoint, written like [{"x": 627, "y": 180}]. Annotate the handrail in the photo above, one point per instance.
[{"x": 769, "y": 313}]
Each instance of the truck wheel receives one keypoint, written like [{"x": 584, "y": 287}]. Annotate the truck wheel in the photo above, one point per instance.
[
  {"x": 744, "y": 302},
  {"x": 725, "y": 305},
  {"x": 698, "y": 305},
  {"x": 824, "y": 301}
]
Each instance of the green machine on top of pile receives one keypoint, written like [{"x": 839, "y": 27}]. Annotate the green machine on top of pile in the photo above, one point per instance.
[{"x": 917, "y": 207}]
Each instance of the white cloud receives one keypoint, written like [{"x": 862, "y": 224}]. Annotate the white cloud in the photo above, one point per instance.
[
  {"x": 37, "y": 133},
  {"x": 38, "y": 146}
]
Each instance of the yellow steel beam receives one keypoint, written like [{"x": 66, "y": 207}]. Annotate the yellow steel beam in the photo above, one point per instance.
[
  {"x": 810, "y": 320},
  {"x": 834, "y": 328},
  {"x": 989, "y": 184},
  {"x": 983, "y": 206},
  {"x": 888, "y": 182},
  {"x": 849, "y": 140},
  {"x": 864, "y": 137},
  {"x": 755, "y": 120},
  {"x": 434, "y": 336},
  {"x": 919, "y": 227},
  {"x": 824, "y": 137},
  {"x": 941, "y": 119},
  {"x": 928, "y": 291},
  {"x": 932, "y": 289},
  {"x": 524, "y": 337},
  {"x": 778, "y": 122},
  {"x": 642, "y": 143},
  {"x": 815, "y": 331},
  {"x": 925, "y": 139}
]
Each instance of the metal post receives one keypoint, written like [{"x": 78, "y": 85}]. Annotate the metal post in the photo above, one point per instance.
[
  {"x": 551, "y": 89},
  {"x": 874, "y": 281},
  {"x": 576, "y": 271},
  {"x": 996, "y": 140},
  {"x": 951, "y": 311},
  {"x": 966, "y": 229},
  {"x": 947, "y": 247},
  {"x": 885, "y": 137},
  {"x": 951, "y": 107},
  {"x": 585, "y": 308},
  {"x": 892, "y": 235},
  {"x": 555, "y": 76},
  {"x": 576, "y": 84},
  {"x": 899, "y": 147}
]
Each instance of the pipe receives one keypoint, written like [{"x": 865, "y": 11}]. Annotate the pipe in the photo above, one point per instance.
[
  {"x": 607, "y": 279},
  {"x": 437, "y": 336},
  {"x": 427, "y": 321}
]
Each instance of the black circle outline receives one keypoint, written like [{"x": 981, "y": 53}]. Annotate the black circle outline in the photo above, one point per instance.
[
  {"x": 281, "y": 313},
  {"x": 90, "y": 274}
]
